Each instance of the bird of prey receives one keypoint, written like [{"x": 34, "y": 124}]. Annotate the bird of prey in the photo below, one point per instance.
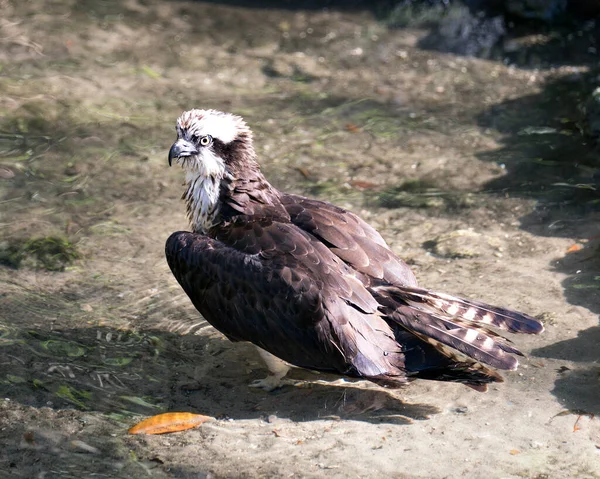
[{"x": 313, "y": 285}]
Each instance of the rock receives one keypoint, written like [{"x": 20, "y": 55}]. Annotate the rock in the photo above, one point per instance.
[
  {"x": 464, "y": 244},
  {"x": 471, "y": 34},
  {"x": 297, "y": 67},
  {"x": 467, "y": 32}
]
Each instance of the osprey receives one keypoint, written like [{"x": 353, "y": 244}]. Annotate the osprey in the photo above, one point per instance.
[{"x": 312, "y": 285}]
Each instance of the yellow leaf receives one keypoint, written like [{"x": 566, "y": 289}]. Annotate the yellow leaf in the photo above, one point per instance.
[{"x": 169, "y": 422}]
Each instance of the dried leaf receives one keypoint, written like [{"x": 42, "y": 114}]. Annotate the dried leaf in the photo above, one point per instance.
[
  {"x": 363, "y": 185},
  {"x": 169, "y": 422},
  {"x": 573, "y": 248},
  {"x": 576, "y": 426},
  {"x": 304, "y": 171},
  {"x": 564, "y": 412}
]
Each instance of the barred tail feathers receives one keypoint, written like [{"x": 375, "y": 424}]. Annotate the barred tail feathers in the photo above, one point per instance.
[
  {"x": 458, "y": 328},
  {"x": 473, "y": 311}
]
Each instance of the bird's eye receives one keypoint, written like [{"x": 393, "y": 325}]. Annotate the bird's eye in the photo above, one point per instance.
[{"x": 206, "y": 140}]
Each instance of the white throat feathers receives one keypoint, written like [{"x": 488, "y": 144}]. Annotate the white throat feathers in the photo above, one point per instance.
[{"x": 203, "y": 179}]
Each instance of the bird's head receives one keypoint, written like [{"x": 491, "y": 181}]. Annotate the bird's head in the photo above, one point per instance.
[{"x": 211, "y": 143}]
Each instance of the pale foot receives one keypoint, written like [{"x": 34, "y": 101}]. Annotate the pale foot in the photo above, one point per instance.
[
  {"x": 277, "y": 371},
  {"x": 270, "y": 383}
]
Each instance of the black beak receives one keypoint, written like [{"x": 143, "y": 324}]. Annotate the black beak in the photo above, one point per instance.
[{"x": 181, "y": 148}]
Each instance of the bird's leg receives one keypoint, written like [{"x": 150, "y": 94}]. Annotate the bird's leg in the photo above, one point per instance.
[{"x": 277, "y": 371}]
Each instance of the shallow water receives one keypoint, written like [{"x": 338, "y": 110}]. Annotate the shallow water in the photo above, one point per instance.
[{"x": 422, "y": 144}]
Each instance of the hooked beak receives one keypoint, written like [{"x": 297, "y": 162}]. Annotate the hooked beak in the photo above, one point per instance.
[{"x": 181, "y": 148}]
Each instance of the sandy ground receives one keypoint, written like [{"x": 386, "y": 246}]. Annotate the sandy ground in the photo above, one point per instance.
[{"x": 421, "y": 144}]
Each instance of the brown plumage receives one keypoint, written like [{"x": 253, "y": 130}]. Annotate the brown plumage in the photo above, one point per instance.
[{"x": 312, "y": 283}]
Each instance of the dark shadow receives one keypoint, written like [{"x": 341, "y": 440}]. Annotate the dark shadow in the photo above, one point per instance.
[
  {"x": 112, "y": 377},
  {"x": 52, "y": 363},
  {"x": 308, "y": 4},
  {"x": 126, "y": 373},
  {"x": 481, "y": 28},
  {"x": 548, "y": 157},
  {"x": 578, "y": 389},
  {"x": 489, "y": 30},
  {"x": 582, "y": 286},
  {"x": 50, "y": 360},
  {"x": 584, "y": 348},
  {"x": 59, "y": 444},
  {"x": 545, "y": 154}
]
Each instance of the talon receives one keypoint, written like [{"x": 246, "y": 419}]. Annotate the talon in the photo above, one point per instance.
[
  {"x": 268, "y": 384},
  {"x": 278, "y": 369}
]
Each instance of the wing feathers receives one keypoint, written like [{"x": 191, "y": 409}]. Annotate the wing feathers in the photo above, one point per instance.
[{"x": 349, "y": 238}]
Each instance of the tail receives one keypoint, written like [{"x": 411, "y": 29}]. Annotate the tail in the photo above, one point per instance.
[{"x": 459, "y": 329}]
